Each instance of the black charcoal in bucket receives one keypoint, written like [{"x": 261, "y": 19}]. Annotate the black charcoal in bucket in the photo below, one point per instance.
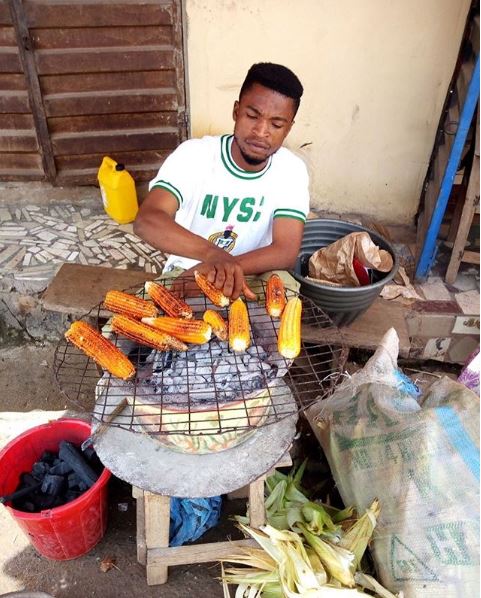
[{"x": 342, "y": 304}]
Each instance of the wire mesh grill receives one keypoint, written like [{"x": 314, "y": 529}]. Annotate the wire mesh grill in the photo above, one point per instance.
[{"x": 208, "y": 389}]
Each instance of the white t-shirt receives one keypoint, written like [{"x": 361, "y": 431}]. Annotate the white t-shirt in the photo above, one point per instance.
[{"x": 231, "y": 207}]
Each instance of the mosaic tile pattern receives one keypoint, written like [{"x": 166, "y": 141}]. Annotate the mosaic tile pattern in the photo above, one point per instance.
[{"x": 35, "y": 240}]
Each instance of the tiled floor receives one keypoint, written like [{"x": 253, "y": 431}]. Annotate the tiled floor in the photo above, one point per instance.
[{"x": 35, "y": 240}]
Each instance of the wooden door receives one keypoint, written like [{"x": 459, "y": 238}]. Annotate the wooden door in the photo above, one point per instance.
[{"x": 81, "y": 79}]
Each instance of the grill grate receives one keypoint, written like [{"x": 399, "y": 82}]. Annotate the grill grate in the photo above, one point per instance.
[{"x": 207, "y": 390}]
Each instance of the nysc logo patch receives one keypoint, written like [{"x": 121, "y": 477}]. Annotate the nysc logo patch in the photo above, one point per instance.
[{"x": 226, "y": 239}]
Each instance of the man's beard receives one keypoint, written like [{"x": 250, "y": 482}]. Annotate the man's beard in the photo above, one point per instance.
[{"x": 249, "y": 159}]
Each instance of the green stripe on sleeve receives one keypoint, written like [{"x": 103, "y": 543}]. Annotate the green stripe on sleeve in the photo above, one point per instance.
[
  {"x": 289, "y": 213},
  {"x": 168, "y": 187},
  {"x": 290, "y": 216}
]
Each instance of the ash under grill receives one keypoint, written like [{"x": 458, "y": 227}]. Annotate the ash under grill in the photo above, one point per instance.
[{"x": 208, "y": 390}]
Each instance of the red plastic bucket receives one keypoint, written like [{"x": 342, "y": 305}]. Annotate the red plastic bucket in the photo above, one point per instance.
[{"x": 71, "y": 530}]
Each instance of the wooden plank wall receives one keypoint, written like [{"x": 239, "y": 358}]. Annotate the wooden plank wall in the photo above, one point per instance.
[
  {"x": 111, "y": 77},
  {"x": 19, "y": 152}
]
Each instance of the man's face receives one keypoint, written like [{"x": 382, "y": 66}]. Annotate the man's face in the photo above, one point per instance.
[{"x": 263, "y": 118}]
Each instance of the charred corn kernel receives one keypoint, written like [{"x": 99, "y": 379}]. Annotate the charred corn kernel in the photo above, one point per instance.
[
  {"x": 145, "y": 335},
  {"x": 171, "y": 305},
  {"x": 275, "y": 296},
  {"x": 217, "y": 297},
  {"x": 129, "y": 305},
  {"x": 219, "y": 325},
  {"x": 239, "y": 333},
  {"x": 188, "y": 331},
  {"x": 102, "y": 351},
  {"x": 289, "y": 338}
]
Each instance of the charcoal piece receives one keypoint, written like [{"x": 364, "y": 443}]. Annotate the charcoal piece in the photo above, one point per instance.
[
  {"x": 82, "y": 486},
  {"x": 73, "y": 481},
  {"x": 91, "y": 456},
  {"x": 24, "y": 505},
  {"x": 44, "y": 501},
  {"x": 71, "y": 455},
  {"x": 61, "y": 468},
  {"x": 53, "y": 484},
  {"x": 27, "y": 479},
  {"x": 40, "y": 469},
  {"x": 48, "y": 457},
  {"x": 71, "y": 495},
  {"x": 20, "y": 492},
  {"x": 139, "y": 354},
  {"x": 89, "y": 452}
]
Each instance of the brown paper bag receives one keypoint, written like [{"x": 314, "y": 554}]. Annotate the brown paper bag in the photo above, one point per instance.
[{"x": 333, "y": 264}]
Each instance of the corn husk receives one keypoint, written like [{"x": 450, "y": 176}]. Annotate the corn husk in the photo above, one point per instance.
[
  {"x": 358, "y": 536},
  {"x": 369, "y": 583},
  {"x": 337, "y": 561},
  {"x": 307, "y": 550}
]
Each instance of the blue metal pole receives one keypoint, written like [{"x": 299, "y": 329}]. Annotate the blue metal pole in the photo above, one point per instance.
[{"x": 428, "y": 253}]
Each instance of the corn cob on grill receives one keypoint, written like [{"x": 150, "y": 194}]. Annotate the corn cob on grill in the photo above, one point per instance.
[
  {"x": 188, "y": 331},
  {"x": 217, "y": 322},
  {"x": 239, "y": 330},
  {"x": 129, "y": 305},
  {"x": 289, "y": 337},
  {"x": 217, "y": 297},
  {"x": 101, "y": 350},
  {"x": 145, "y": 335},
  {"x": 171, "y": 305},
  {"x": 275, "y": 296}
]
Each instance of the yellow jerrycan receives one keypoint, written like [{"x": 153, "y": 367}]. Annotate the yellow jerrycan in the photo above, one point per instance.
[{"x": 118, "y": 191}]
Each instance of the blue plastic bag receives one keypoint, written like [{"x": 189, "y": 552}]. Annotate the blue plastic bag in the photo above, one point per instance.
[{"x": 190, "y": 518}]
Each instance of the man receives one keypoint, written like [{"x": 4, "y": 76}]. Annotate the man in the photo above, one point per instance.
[{"x": 234, "y": 205}]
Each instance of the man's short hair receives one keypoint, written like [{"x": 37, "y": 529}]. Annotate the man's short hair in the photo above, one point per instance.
[{"x": 276, "y": 77}]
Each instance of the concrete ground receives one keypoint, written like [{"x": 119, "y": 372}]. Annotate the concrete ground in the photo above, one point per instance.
[{"x": 27, "y": 381}]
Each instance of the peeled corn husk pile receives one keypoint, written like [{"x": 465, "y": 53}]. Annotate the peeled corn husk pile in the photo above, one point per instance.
[{"x": 307, "y": 549}]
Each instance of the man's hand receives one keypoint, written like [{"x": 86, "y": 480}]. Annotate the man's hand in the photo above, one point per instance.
[{"x": 225, "y": 274}]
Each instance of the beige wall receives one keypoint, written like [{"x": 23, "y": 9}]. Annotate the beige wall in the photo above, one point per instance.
[{"x": 375, "y": 74}]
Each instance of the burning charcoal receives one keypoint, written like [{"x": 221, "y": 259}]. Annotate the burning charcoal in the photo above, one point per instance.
[
  {"x": 39, "y": 470},
  {"x": 140, "y": 354},
  {"x": 71, "y": 455},
  {"x": 61, "y": 468},
  {"x": 53, "y": 484},
  {"x": 48, "y": 457}
]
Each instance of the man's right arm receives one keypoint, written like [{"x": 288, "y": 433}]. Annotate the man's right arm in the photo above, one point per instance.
[{"x": 155, "y": 224}]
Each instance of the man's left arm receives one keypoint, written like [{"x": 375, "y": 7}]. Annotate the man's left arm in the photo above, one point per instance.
[{"x": 281, "y": 254}]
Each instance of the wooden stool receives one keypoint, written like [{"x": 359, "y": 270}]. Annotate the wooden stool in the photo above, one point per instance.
[{"x": 153, "y": 522}]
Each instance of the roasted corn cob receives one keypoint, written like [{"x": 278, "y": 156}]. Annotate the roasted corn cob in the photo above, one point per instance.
[
  {"x": 289, "y": 337},
  {"x": 145, "y": 335},
  {"x": 171, "y": 305},
  {"x": 239, "y": 332},
  {"x": 129, "y": 305},
  {"x": 219, "y": 325},
  {"x": 275, "y": 296},
  {"x": 188, "y": 331},
  {"x": 101, "y": 350},
  {"x": 217, "y": 297}
]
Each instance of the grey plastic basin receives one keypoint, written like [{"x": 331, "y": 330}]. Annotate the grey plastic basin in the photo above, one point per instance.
[{"x": 342, "y": 304}]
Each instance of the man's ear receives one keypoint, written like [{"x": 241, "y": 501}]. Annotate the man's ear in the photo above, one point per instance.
[{"x": 235, "y": 110}]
